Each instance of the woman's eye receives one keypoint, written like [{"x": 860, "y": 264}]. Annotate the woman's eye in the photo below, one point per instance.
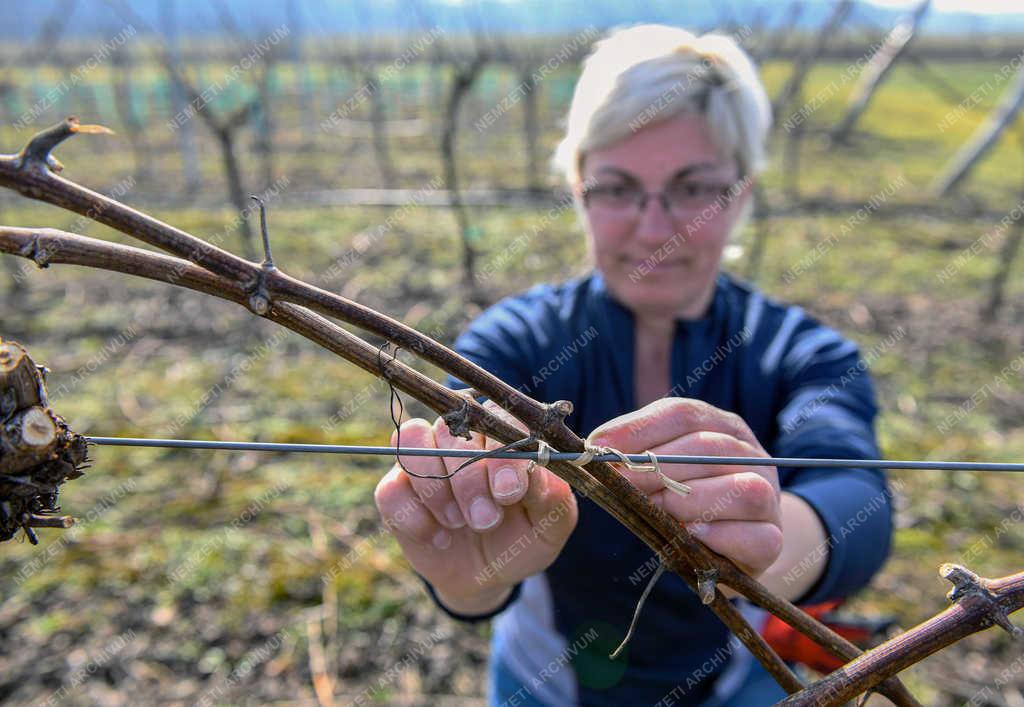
[
  {"x": 694, "y": 190},
  {"x": 614, "y": 192},
  {"x": 690, "y": 189}
]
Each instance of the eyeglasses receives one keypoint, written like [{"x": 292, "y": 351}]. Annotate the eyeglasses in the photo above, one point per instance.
[{"x": 680, "y": 198}]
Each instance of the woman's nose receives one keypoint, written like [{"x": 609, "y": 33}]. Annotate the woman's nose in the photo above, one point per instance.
[{"x": 654, "y": 223}]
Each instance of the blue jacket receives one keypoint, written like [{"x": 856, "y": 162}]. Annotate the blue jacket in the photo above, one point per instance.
[{"x": 801, "y": 387}]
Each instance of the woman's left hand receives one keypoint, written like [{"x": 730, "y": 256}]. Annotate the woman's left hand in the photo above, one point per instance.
[{"x": 734, "y": 510}]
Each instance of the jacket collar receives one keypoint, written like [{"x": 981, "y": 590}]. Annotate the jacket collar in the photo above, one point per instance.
[
  {"x": 615, "y": 323},
  {"x": 621, "y": 314}
]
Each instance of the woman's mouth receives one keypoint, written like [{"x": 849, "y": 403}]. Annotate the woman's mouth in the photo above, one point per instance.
[{"x": 654, "y": 264}]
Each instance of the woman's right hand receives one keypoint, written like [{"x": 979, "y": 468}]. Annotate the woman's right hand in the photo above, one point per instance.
[{"x": 476, "y": 534}]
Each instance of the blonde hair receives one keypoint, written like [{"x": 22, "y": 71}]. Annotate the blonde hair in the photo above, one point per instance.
[{"x": 647, "y": 73}]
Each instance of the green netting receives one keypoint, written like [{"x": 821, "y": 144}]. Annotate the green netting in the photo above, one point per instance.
[
  {"x": 259, "y": 117},
  {"x": 83, "y": 100},
  {"x": 138, "y": 101},
  {"x": 487, "y": 86},
  {"x": 105, "y": 102},
  {"x": 275, "y": 83},
  {"x": 309, "y": 79},
  {"x": 163, "y": 96},
  {"x": 340, "y": 83},
  {"x": 232, "y": 95},
  {"x": 37, "y": 92},
  {"x": 561, "y": 88},
  {"x": 409, "y": 86},
  {"x": 16, "y": 103}
]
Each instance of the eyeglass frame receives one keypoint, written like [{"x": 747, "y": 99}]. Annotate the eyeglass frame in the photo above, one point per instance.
[{"x": 639, "y": 204}]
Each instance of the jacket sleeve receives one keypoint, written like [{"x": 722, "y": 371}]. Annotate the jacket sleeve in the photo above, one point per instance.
[
  {"x": 828, "y": 410},
  {"x": 503, "y": 342}
]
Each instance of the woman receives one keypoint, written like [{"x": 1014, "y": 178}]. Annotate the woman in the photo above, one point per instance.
[{"x": 657, "y": 349}]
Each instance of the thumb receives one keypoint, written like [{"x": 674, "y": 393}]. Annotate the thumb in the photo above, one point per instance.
[
  {"x": 550, "y": 506},
  {"x": 618, "y": 433}
]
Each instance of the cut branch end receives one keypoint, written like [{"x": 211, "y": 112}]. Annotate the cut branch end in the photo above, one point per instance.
[
  {"x": 36, "y": 154},
  {"x": 38, "y": 451}
]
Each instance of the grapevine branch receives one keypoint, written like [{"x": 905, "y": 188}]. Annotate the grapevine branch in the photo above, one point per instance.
[
  {"x": 263, "y": 289},
  {"x": 978, "y": 603},
  {"x": 63, "y": 247},
  {"x": 268, "y": 292}
]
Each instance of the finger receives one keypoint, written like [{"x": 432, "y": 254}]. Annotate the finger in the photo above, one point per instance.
[
  {"x": 666, "y": 419},
  {"x": 436, "y": 494},
  {"x": 507, "y": 477},
  {"x": 702, "y": 443},
  {"x": 744, "y": 495},
  {"x": 471, "y": 485},
  {"x": 550, "y": 507},
  {"x": 405, "y": 515},
  {"x": 754, "y": 546}
]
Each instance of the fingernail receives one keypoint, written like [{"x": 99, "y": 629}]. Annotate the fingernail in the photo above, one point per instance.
[
  {"x": 454, "y": 515},
  {"x": 483, "y": 514},
  {"x": 506, "y": 482},
  {"x": 698, "y": 529},
  {"x": 442, "y": 539}
]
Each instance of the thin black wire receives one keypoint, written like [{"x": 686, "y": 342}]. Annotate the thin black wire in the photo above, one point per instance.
[{"x": 398, "y": 428}]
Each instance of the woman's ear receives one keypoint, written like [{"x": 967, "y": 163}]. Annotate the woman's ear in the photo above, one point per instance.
[{"x": 577, "y": 188}]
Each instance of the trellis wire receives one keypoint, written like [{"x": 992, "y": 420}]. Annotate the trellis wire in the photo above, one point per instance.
[{"x": 560, "y": 456}]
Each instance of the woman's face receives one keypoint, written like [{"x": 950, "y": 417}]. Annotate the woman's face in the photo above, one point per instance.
[{"x": 661, "y": 261}]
